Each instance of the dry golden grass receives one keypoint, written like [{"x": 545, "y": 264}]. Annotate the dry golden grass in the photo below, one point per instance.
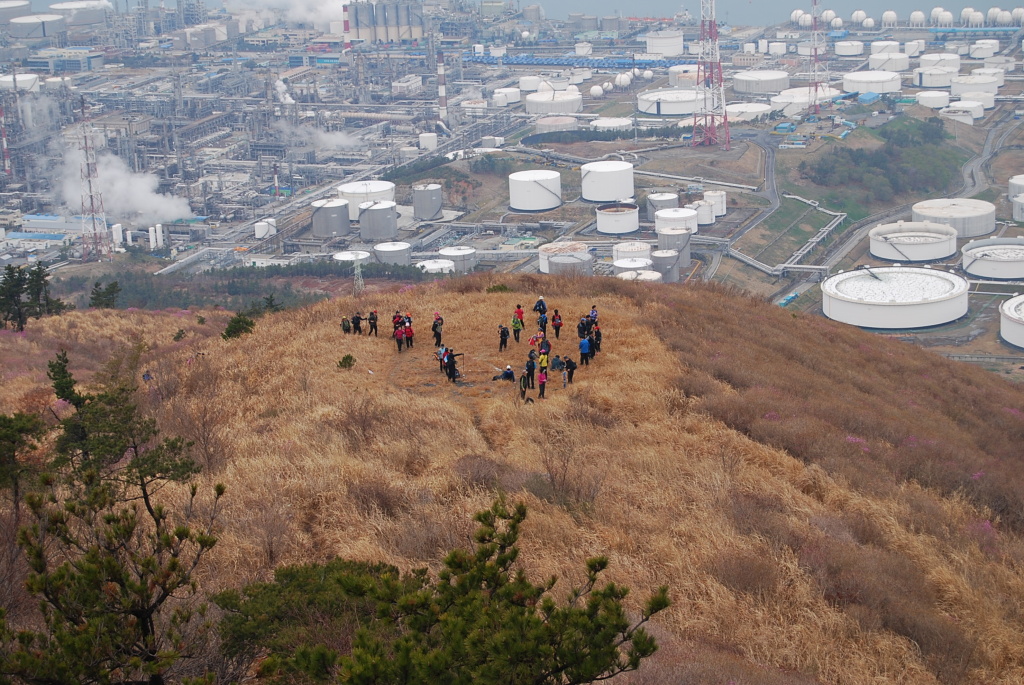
[{"x": 807, "y": 561}]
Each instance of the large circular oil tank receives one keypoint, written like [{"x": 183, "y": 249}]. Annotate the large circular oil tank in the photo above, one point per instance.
[
  {"x": 631, "y": 249},
  {"x": 548, "y": 251},
  {"x": 942, "y": 59},
  {"x": 667, "y": 263},
  {"x": 871, "y": 82},
  {"x": 393, "y": 253},
  {"x": 82, "y": 12},
  {"x": 9, "y": 9},
  {"x": 894, "y": 297},
  {"x": 849, "y": 48},
  {"x": 352, "y": 257},
  {"x": 935, "y": 99},
  {"x": 998, "y": 258},
  {"x": 1016, "y": 185},
  {"x": 669, "y": 102},
  {"x": 553, "y": 102},
  {"x": 760, "y": 81},
  {"x": 1011, "y": 321},
  {"x": 571, "y": 265},
  {"x": 463, "y": 256},
  {"x": 359, "y": 192},
  {"x": 657, "y": 201},
  {"x": 607, "y": 181},
  {"x": 967, "y": 84},
  {"x": 934, "y": 77},
  {"x": 971, "y": 218},
  {"x": 378, "y": 221},
  {"x": 891, "y": 61},
  {"x": 677, "y": 217},
  {"x": 631, "y": 264},
  {"x": 35, "y": 26},
  {"x": 884, "y": 46},
  {"x": 912, "y": 241},
  {"x": 618, "y": 218},
  {"x": 436, "y": 266},
  {"x": 538, "y": 190},
  {"x": 556, "y": 123},
  {"x": 330, "y": 218},
  {"x": 427, "y": 201}
]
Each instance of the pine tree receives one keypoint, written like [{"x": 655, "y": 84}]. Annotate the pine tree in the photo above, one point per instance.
[
  {"x": 104, "y": 297},
  {"x": 13, "y": 286},
  {"x": 112, "y": 565}
]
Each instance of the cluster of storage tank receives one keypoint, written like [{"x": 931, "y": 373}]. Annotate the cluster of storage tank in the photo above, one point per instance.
[{"x": 939, "y": 17}]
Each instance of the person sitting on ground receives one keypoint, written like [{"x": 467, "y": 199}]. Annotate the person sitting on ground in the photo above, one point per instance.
[
  {"x": 557, "y": 364},
  {"x": 507, "y": 375}
]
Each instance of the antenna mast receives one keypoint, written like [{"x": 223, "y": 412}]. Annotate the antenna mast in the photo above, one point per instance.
[
  {"x": 710, "y": 123},
  {"x": 357, "y": 281},
  {"x": 95, "y": 239},
  {"x": 818, "y": 70}
]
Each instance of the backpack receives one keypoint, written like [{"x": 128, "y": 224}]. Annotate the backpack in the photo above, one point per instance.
[
  {"x": 531, "y": 365},
  {"x": 346, "y": 325},
  {"x": 503, "y": 333}
]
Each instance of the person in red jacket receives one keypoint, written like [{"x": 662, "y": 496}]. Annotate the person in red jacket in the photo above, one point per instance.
[
  {"x": 518, "y": 313},
  {"x": 556, "y": 323},
  {"x": 399, "y": 337}
]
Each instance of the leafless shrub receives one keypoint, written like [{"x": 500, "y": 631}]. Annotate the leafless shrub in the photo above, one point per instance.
[
  {"x": 744, "y": 572},
  {"x": 361, "y": 419},
  {"x": 375, "y": 495},
  {"x": 480, "y": 471},
  {"x": 575, "y": 480}
]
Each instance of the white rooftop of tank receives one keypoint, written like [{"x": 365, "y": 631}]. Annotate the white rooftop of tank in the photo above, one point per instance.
[
  {"x": 351, "y": 255},
  {"x": 366, "y": 186},
  {"x": 669, "y": 95},
  {"x": 895, "y": 285},
  {"x": 37, "y": 18},
  {"x": 761, "y": 75},
  {"x": 607, "y": 165},
  {"x": 1014, "y": 308},
  {"x": 997, "y": 253},
  {"x": 956, "y": 207},
  {"x": 534, "y": 175}
]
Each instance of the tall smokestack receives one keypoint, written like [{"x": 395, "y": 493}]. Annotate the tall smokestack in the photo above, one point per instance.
[
  {"x": 346, "y": 31},
  {"x": 442, "y": 90}
]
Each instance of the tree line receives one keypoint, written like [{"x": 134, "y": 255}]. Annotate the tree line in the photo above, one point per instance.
[
  {"x": 25, "y": 294},
  {"x": 116, "y": 571}
]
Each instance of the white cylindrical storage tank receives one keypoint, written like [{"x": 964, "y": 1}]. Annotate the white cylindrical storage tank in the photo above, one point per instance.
[
  {"x": 933, "y": 77},
  {"x": 552, "y": 124},
  {"x": 872, "y": 82},
  {"x": 705, "y": 212},
  {"x": 612, "y": 124},
  {"x": 427, "y": 201},
  {"x": 802, "y": 96},
  {"x": 330, "y": 218},
  {"x": 806, "y": 49},
  {"x": 352, "y": 257},
  {"x": 608, "y": 181},
  {"x": 913, "y": 48},
  {"x": 559, "y": 82},
  {"x": 858, "y": 16},
  {"x": 378, "y": 220},
  {"x": 571, "y": 265},
  {"x": 152, "y": 236},
  {"x": 747, "y": 111},
  {"x": 971, "y": 218},
  {"x": 549, "y": 251},
  {"x": 682, "y": 75},
  {"x": 678, "y": 217},
  {"x": 584, "y": 49},
  {"x": 666, "y": 263},
  {"x": 36, "y": 26},
  {"x": 884, "y": 46},
  {"x": 717, "y": 200},
  {"x": 659, "y": 201},
  {"x": 917, "y": 19},
  {"x": 393, "y": 253},
  {"x": 529, "y": 84},
  {"x": 436, "y": 266},
  {"x": 1007, "y": 64},
  {"x": 972, "y": 107},
  {"x": 82, "y": 12},
  {"x": 889, "y": 19},
  {"x": 9, "y": 9},
  {"x": 261, "y": 230},
  {"x": 891, "y": 61},
  {"x": 965, "y": 84},
  {"x": 749, "y": 48},
  {"x": 669, "y": 102},
  {"x": 849, "y": 48},
  {"x": 428, "y": 141},
  {"x": 776, "y": 49},
  {"x": 998, "y": 258},
  {"x": 1011, "y": 321},
  {"x": 894, "y": 297},
  {"x": 512, "y": 95},
  {"x": 631, "y": 249},
  {"x": 675, "y": 238},
  {"x": 631, "y": 264},
  {"x": 666, "y": 43},
  {"x": 645, "y": 275},
  {"x": 941, "y": 59},
  {"x": 998, "y": 74},
  {"x": 936, "y": 99},
  {"x": 553, "y": 102},
  {"x": 912, "y": 241},
  {"x": 977, "y": 51},
  {"x": 760, "y": 81},
  {"x": 987, "y": 100},
  {"x": 762, "y": 45},
  {"x": 618, "y": 218},
  {"x": 463, "y": 256},
  {"x": 359, "y": 192},
  {"x": 1015, "y": 185},
  {"x": 25, "y": 83},
  {"x": 539, "y": 190},
  {"x": 499, "y": 100}
]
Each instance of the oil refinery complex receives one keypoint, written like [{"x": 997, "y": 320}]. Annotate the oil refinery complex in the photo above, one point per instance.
[{"x": 251, "y": 137}]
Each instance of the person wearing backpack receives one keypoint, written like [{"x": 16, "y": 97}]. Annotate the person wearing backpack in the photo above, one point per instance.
[
  {"x": 542, "y": 362},
  {"x": 556, "y": 323},
  {"x": 518, "y": 313},
  {"x": 542, "y": 323},
  {"x": 570, "y": 369},
  {"x": 517, "y": 327},
  {"x": 502, "y": 337},
  {"x": 408, "y": 335},
  {"x": 541, "y": 307},
  {"x": 436, "y": 327},
  {"x": 531, "y": 368},
  {"x": 524, "y": 385},
  {"x": 597, "y": 338},
  {"x": 581, "y": 327},
  {"x": 372, "y": 320},
  {"x": 453, "y": 371},
  {"x": 346, "y": 325},
  {"x": 544, "y": 347}
]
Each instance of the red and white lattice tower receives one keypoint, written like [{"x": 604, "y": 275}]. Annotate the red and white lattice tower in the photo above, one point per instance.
[
  {"x": 710, "y": 123},
  {"x": 96, "y": 242},
  {"x": 817, "y": 69}
]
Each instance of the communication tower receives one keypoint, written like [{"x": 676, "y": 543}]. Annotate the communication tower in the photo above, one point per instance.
[
  {"x": 818, "y": 71},
  {"x": 710, "y": 122},
  {"x": 358, "y": 286},
  {"x": 95, "y": 238}
]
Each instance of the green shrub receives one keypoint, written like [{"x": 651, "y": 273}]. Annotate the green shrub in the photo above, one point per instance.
[{"x": 347, "y": 362}]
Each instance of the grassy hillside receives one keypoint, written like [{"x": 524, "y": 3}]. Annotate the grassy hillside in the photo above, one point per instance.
[{"x": 826, "y": 505}]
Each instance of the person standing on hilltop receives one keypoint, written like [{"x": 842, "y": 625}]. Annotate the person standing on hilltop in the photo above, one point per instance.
[
  {"x": 597, "y": 338},
  {"x": 556, "y": 323},
  {"x": 436, "y": 327},
  {"x": 372, "y": 320},
  {"x": 517, "y": 327},
  {"x": 399, "y": 337},
  {"x": 408, "y": 333},
  {"x": 346, "y": 325},
  {"x": 581, "y": 327},
  {"x": 397, "y": 320},
  {"x": 542, "y": 380},
  {"x": 542, "y": 323},
  {"x": 570, "y": 369},
  {"x": 453, "y": 371},
  {"x": 585, "y": 351},
  {"x": 541, "y": 307},
  {"x": 524, "y": 385},
  {"x": 531, "y": 368},
  {"x": 593, "y": 313},
  {"x": 357, "y": 323},
  {"x": 502, "y": 337},
  {"x": 518, "y": 313}
]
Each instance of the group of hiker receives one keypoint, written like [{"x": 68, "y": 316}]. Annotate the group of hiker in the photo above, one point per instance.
[{"x": 540, "y": 363}]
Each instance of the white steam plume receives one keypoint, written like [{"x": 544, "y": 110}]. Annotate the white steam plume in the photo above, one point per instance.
[
  {"x": 282, "y": 93},
  {"x": 299, "y": 11},
  {"x": 127, "y": 196},
  {"x": 310, "y": 135}
]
